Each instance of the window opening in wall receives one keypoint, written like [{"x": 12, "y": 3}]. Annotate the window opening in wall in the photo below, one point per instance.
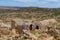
[
  {"x": 37, "y": 27},
  {"x": 30, "y": 27}
]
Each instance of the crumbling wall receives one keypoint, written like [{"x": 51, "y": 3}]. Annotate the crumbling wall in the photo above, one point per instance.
[
  {"x": 47, "y": 23},
  {"x": 19, "y": 29},
  {"x": 34, "y": 26},
  {"x": 12, "y": 24}
]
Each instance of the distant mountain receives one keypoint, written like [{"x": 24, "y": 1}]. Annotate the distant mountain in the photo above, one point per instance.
[
  {"x": 9, "y": 7},
  {"x": 6, "y": 7},
  {"x": 29, "y": 9}
]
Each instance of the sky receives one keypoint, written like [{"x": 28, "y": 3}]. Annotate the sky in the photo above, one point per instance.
[{"x": 31, "y": 3}]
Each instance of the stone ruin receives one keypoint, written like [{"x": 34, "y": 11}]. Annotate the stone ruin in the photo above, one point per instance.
[
  {"x": 18, "y": 25},
  {"x": 30, "y": 25},
  {"x": 21, "y": 25}
]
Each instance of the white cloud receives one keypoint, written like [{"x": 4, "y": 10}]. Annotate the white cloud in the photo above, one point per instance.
[
  {"x": 26, "y": 0},
  {"x": 42, "y": 3},
  {"x": 53, "y": 0}
]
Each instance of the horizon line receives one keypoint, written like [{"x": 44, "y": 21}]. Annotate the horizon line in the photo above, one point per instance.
[{"x": 30, "y": 6}]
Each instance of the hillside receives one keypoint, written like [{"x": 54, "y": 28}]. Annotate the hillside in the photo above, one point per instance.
[
  {"x": 30, "y": 12},
  {"x": 29, "y": 23}
]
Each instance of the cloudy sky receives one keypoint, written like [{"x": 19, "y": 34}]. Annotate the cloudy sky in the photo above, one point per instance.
[{"x": 33, "y": 3}]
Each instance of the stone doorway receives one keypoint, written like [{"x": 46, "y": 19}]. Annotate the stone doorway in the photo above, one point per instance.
[
  {"x": 37, "y": 27},
  {"x": 31, "y": 27}
]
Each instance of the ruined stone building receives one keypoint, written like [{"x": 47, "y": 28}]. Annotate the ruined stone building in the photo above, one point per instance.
[
  {"x": 18, "y": 25},
  {"x": 21, "y": 25}
]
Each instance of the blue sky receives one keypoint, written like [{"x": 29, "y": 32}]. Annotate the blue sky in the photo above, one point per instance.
[{"x": 33, "y": 3}]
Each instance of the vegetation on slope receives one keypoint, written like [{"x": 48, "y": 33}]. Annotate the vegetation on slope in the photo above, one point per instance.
[{"x": 31, "y": 12}]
